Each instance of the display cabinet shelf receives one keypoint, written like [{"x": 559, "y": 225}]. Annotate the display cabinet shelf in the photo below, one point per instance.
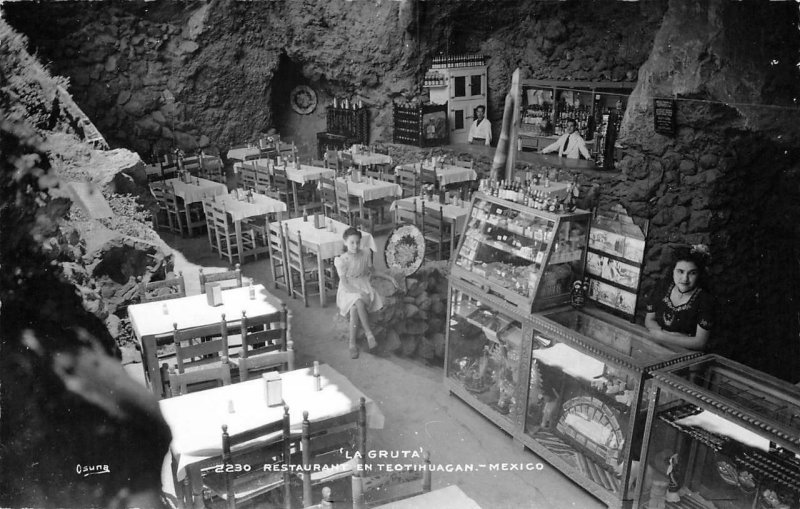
[{"x": 731, "y": 435}]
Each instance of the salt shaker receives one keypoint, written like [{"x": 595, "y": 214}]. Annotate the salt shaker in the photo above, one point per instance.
[{"x": 317, "y": 380}]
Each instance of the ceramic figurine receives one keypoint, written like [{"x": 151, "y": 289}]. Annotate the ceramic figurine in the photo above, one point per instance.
[{"x": 674, "y": 476}]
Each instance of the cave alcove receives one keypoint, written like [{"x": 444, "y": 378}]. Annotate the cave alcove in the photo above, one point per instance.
[{"x": 293, "y": 126}]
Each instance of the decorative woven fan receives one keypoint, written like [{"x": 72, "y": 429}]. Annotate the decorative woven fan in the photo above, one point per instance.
[{"x": 405, "y": 249}]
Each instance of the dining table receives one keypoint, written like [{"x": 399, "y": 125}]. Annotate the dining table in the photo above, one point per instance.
[
  {"x": 194, "y": 191},
  {"x": 241, "y": 206},
  {"x": 326, "y": 243},
  {"x": 196, "y": 419},
  {"x": 242, "y": 153},
  {"x": 448, "y": 173},
  {"x": 361, "y": 159},
  {"x": 449, "y": 497},
  {"x": 153, "y": 322},
  {"x": 454, "y": 213},
  {"x": 300, "y": 174}
]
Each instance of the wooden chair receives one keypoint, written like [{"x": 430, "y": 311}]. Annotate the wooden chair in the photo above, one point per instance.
[
  {"x": 227, "y": 239},
  {"x": 282, "y": 189},
  {"x": 161, "y": 218},
  {"x": 327, "y": 193},
  {"x": 191, "y": 164},
  {"x": 427, "y": 176},
  {"x": 211, "y": 168},
  {"x": 435, "y": 231},
  {"x": 277, "y": 256},
  {"x": 211, "y": 232},
  {"x": 301, "y": 264},
  {"x": 201, "y": 356},
  {"x": 286, "y": 150},
  {"x": 265, "y": 344},
  {"x": 339, "y": 442},
  {"x": 405, "y": 212},
  {"x": 407, "y": 178},
  {"x": 247, "y": 176},
  {"x": 169, "y": 168},
  {"x": 168, "y": 288},
  {"x": 263, "y": 183},
  {"x": 174, "y": 207},
  {"x": 269, "y": 444},
  {"x": 332, "y": 160},
  {"x": 349, "y": 210},
  {"x": 374, "y": 171},
  {"x": 228, "y": 276}
]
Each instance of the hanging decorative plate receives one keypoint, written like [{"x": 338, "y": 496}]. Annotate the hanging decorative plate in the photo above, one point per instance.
[
  {"x": 303, "y": 99},
  {"x": 405, "y": 249}
]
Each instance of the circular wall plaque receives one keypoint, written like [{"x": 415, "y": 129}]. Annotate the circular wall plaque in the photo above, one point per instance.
[
  {"x": 303, "y": 99},
  {"x": 405, "y": 249}
]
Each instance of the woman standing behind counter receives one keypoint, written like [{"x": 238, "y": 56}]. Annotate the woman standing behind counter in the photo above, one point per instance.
[{"x": 679, "y": 311}]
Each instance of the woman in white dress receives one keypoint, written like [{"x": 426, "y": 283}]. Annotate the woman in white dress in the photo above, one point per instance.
[{"x": 355, "y": 295}]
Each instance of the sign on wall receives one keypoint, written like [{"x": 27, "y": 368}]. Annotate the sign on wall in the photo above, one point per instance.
[{"x": 664, "y": 111}]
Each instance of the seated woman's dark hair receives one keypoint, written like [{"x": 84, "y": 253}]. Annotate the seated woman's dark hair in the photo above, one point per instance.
[{"x": 698, "y": 254}]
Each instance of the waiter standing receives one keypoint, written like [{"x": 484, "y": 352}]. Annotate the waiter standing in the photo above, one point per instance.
[
  {"x": 480, "y": 132},
  {"x": 570, "y": 144}
]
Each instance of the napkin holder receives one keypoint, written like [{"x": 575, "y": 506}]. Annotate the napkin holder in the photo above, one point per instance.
[
  {"x": 273, "y": 388},
  {"x": 214, "y": 294},
  {"x": 319, "y": 221}
]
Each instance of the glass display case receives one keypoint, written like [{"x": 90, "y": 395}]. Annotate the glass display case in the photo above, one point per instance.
[
  {"x": 721, "y": 435},
  {"x": 585, "y": 410},
  {"x": 527, "y": 257},
  {"x": 484, "y": 352}
]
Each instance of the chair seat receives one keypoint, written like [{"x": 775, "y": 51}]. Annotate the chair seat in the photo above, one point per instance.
[
  {"x": 332, "y": 471},
  {"x": 246, "y": 487}
]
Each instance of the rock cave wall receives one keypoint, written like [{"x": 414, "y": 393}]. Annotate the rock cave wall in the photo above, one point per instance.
[
  {"x": 65, "y": 400},
  {"x": 730, "y": 177},
  {"x": 208, "y": 75}
]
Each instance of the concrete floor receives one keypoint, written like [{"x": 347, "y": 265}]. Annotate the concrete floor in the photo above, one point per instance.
[{"x": 419, "y": 411}]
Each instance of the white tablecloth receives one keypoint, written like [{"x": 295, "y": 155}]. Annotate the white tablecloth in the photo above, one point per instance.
[
  {"x": 261, "y": 206},
  {"x": 196, "y": 419},
  {"x": 368, "y": 159},
  {"x": 239, "y": 154},
  {"x": 328, "y": 244},
  {"x": 454, "y": 214},
  {"x": 148, "y": 319},
  {"x": 192, "y": 193},
  {"x": 449, "y": 497},
  {"x": 451, "y": 174},
  {"x": 375, "y": 190},
  {"x": 302, "y": 175}
]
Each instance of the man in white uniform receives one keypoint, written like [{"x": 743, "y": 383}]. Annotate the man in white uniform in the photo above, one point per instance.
[
  {"x": 481, "y": 129},
  {"x": 570, "y": 144}
]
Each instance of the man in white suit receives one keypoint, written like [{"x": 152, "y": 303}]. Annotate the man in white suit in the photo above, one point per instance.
[{"x": 570, "y": 144}]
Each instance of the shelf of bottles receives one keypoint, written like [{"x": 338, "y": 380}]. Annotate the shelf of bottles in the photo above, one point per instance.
[
  {"x": 582, "y": 116},
  {"x": 349, "y": 118},
  {"x": 535, "y": 119},
  {"x": 434, "y": 79},
  {"x": 456, "y": 61},
  {"x": 506, "y": 243},
  {"x": 607, "y": 122},
  {"x": 408, "y": 124}
]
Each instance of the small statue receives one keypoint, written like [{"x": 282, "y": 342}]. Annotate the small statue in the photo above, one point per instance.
[{"x": 674, "y": 476}]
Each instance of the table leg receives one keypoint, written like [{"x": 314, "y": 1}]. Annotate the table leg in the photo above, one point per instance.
[
  {"x": 361, "y": 211},
  {"x": 150, "y": 354},
  {"x": 294, "y": 198},
  {"x": 188, "y": 219},
  {"x": 321, "y": 276},
  {"x": 237, "y": 225}
]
